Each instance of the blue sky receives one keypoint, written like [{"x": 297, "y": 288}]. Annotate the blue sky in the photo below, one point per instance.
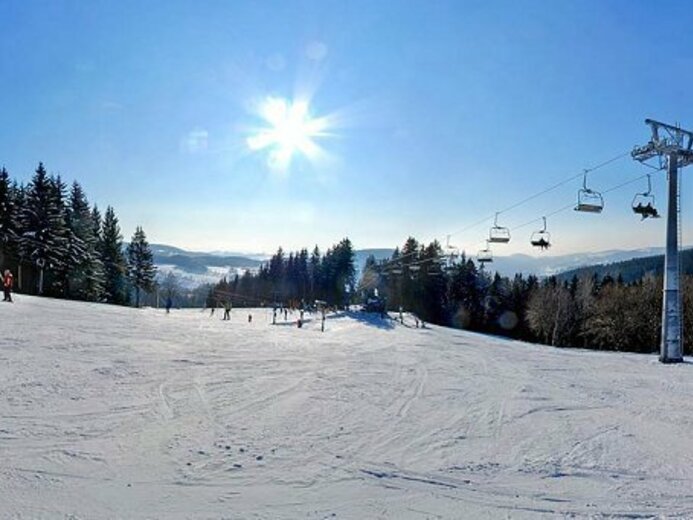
[{"x": 440, "y": 114}]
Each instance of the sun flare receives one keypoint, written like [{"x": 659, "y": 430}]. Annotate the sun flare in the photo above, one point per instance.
[{"x": 291, "y": 130}]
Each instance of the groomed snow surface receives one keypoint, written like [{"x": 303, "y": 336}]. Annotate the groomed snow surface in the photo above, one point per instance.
[{"x": 109, "y": 412}]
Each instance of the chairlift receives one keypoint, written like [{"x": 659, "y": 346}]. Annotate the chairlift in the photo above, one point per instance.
[
  {"x": 589, "y": 201},
  {"x": 451, "y": 263},
  {"x": 541, "y": 239},
  {"x": 485, "y": 255},
  {"x": 450, "y": 258},
  {"x": 644, "y": 203},
  {"x": 498, "y": 234},
  {"x": 449, "y": 248},
  {"x": 393, "y": 269}
]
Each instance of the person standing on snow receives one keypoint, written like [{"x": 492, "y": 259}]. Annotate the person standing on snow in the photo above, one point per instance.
[
  {"x": 7, "y": 281},
  {"x": 169, "y": 304},
  {"x": 227, "y": 310}
]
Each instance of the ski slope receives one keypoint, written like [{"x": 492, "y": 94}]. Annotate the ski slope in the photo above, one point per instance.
[{"x": 111, "y": 412}]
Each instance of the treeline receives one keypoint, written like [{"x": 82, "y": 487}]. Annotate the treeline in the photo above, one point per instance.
[
  {"x": 58, "y": 245},
  {"x": 588, "y": 312},
  {"x": 298, "y": 277}
]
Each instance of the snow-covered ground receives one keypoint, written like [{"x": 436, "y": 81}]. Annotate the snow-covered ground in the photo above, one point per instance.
[{"x": 110, "y": 412}]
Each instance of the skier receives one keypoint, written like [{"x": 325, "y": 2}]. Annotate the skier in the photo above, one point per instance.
[
  {"x": 169, "y": 304},
  {"x": 7, "y": 281},
  {"x": 227, "y": 310},
  {"x": 250, "y": 318}
]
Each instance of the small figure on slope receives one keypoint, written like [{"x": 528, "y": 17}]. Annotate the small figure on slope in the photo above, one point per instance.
[{"x": 7, "y": 281}]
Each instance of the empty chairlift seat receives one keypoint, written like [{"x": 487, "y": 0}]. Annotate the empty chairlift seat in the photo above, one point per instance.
[
  {"x": 589, "y": 201},
  {"x": 485, "y": 255},
  {"x": 498, "y": 234}
]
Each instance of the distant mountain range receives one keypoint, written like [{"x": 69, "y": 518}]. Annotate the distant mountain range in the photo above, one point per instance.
[
  {"x": 195, "y": 268},
  {"x": 633, "y": 269},
  {"x": 550, "y": 265}
]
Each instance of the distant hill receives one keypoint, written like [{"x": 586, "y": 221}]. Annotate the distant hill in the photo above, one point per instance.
[
  {"x": 631, "y": 270},
  {"x": 361, "y": 255},
  {"x": 547, "y": 265},
  {"x": 195, "y": 268}
]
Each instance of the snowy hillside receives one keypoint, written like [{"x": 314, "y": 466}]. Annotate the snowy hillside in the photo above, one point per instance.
[{"x": 111, "y": 412}]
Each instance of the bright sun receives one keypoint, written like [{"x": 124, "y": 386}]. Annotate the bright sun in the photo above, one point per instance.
[{"x": 291, "y": 130}]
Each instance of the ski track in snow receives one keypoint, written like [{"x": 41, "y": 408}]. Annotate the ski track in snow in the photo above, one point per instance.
[{"x": 111, "y": 412}]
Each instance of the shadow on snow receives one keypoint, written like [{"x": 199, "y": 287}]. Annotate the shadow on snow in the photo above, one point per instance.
[{"x": 367, "y": 318}]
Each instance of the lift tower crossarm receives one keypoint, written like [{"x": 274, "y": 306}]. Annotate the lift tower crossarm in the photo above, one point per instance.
[
  {"x": 674, "y": 146},
  {"x": 666, "y": 140}
]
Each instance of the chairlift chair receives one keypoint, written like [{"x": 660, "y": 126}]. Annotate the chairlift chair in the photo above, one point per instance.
[
  {"x": 644, "y": 203},
  {"x": 541, "y": 239},
  {"x": 485, "y": 255},
  {"x": 589, "y": 201},
  {"x": 498, "y": 234},
  {"x": 451, "y": 261}
]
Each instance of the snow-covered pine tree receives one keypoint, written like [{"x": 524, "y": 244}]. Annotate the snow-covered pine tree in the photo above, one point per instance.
[
  {"x": 114, "y": 265},
  {"x": 69, "y": 249},
  {"x": 43, "y": 239},
  {"x": 141, "y": 270},
  {"x": 97, "y": 276},
  {"x": 9, "y": 220},
  {"x": 85, "y": 271}
]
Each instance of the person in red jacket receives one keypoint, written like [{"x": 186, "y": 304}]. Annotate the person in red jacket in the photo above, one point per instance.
[{"x": 7, "y": 281}]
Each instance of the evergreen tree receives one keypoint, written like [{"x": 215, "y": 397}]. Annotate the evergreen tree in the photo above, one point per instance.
[
  {"x": 114, "y": 265},
  {"x": 9, "y": 220},
  {"x": 345, "y": 272},
  {"x": 466, "y": 296},
  {"x": 58, "y": 281},
  {"x": 86, "y": 271},
  {"x": 431, "y": 286},
  {"x": 302, "y": 274},
  {"x": 314, "y": 274},
  {"x": 43, "y": 241},
  {"x": 141, "y": 270}
]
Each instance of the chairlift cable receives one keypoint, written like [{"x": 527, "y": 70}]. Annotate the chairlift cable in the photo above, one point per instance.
[
  {"x": 572, "y": 205},
  {"x": 544, "y": 192},
  {"x": 524, "y": 201}
]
